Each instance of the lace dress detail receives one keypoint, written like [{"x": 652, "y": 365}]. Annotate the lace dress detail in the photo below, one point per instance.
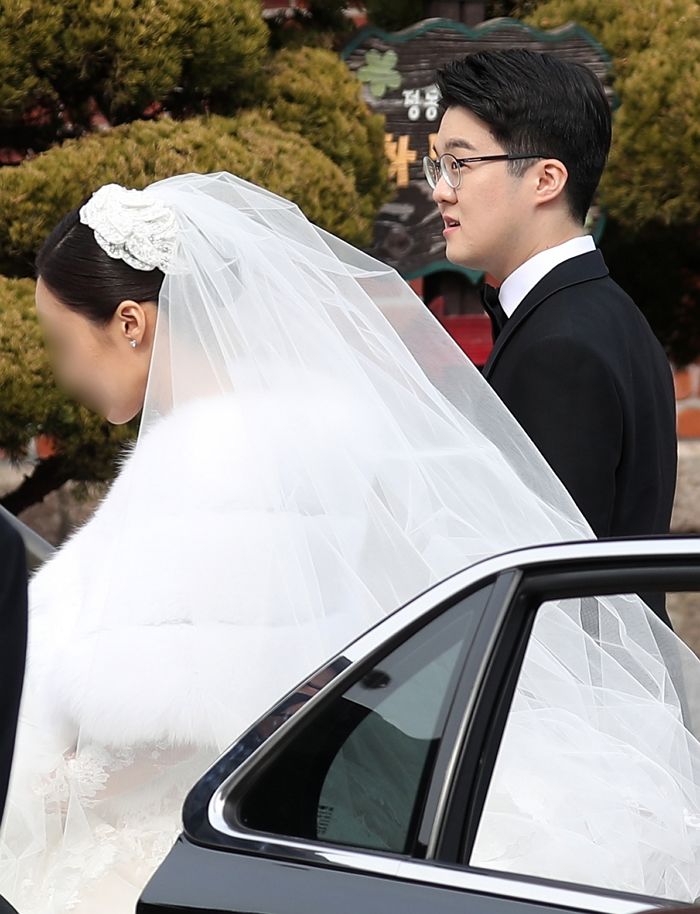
[{"x": 130, "y": 803}]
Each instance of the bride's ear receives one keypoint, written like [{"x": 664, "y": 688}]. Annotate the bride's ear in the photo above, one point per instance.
[{"x": 131, "y": 322}]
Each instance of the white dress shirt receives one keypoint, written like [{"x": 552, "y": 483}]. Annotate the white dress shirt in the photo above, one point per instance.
[{"x": 521, "y": 281}]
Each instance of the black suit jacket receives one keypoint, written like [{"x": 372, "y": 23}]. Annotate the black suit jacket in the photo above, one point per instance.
[
  {"x": 579, "y": 367},
  {"x": 13, "y": 645}
]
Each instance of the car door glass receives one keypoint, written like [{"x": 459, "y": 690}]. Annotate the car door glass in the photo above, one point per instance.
[
  {"x": 595, "y": 782},
  {"x": 357, "y": 772}
]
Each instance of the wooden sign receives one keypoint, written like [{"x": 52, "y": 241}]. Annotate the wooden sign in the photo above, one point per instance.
[{"x": 397, "y": 72}]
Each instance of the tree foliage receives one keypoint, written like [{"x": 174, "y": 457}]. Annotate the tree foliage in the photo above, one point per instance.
[{"x": 117, "y": 57}]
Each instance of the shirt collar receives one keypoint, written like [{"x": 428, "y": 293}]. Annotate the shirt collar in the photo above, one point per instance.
[{"x": 521, "y": 281}]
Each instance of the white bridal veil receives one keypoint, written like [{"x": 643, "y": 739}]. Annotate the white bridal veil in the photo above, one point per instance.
[{"x": 355, "y": 457}]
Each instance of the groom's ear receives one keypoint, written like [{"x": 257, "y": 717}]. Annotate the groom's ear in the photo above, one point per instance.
[{"x": 549, "y": 177}]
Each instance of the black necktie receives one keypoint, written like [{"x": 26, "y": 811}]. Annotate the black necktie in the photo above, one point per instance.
[{"x": 494, "y": 309}]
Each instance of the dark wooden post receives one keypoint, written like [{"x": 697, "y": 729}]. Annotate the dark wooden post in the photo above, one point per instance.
[{"x": 468, "y": 12}]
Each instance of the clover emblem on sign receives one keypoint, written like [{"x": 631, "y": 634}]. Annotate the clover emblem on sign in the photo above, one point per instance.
[{"x": 379, "y": 72}]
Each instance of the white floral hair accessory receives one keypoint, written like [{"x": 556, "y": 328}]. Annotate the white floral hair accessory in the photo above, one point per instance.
[{"x": 132, "y": 225}]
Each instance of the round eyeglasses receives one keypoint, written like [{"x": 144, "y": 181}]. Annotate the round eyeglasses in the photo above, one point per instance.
[{"x": 449, "y": 167}]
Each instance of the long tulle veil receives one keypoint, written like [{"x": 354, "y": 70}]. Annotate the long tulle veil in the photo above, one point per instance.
[{"x": 373, "y": 460}]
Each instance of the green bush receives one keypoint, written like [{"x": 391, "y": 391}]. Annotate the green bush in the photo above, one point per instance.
[
  {"x": 311, "y": 91},
  {"x": 35, "y": 194},
  {"x": 624, "y": 29},
  {"x": 126, "y": 54}
]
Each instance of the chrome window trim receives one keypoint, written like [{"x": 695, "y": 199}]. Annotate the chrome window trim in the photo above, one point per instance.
[
  {"x": 495, "y": 884},
  {"x": 465, "y": 721},
  {"x": 444, "y": 876},
  {"x": 521, "y": 559},
  {"x": 425, "y": 872}
]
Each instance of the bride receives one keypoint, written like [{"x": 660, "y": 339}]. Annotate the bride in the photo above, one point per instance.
[{"x": 313, "y": 451}]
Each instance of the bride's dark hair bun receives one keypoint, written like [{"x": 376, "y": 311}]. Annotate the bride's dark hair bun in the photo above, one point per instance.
[{"x": 85, "y": 278}]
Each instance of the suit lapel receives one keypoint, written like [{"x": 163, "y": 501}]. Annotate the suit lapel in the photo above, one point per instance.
[{"x": 569, "y": 273}]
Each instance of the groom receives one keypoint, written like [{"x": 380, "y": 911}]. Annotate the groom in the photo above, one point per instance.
[{"x": 574, "y": 360}]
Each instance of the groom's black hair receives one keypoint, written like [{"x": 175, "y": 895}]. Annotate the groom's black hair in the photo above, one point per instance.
[
  {"x": 536, "y": 103},
  {"x": 85, "y": 278}
]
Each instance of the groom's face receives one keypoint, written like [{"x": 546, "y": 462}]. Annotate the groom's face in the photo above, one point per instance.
[{"x": 490, "y": 206}]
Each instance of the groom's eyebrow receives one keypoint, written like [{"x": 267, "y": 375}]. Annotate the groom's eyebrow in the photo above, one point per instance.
[{"x": 456, "y": 142}]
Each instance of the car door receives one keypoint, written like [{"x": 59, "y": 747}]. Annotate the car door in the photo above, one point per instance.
[
  {"x": 369, "y": 797},
  {"x": 576, "y": 577}
]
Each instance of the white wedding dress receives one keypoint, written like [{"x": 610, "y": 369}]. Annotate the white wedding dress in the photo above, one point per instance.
[
  {"x": 189, "y": 648},
  {"x": 314, "y": 452}
]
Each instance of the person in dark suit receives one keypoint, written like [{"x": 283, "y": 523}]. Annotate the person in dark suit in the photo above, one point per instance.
[
  {"x": 13, "y": 644},
  {"x": 521, "y": 147},
  {"x": 13, "y": 649}
]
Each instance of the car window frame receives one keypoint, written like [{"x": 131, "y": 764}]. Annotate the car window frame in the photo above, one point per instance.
[
  {"x": 455, "y": 834},
  {"x": 475, "y": 648}
]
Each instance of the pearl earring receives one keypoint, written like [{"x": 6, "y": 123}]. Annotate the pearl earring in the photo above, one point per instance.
[{"x": 133, "y": 344}]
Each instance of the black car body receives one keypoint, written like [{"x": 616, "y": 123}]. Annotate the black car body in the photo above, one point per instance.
[{"x": 296, "y": 817}]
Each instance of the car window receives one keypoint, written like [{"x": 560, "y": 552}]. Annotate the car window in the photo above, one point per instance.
[
  {"x": 357, "y": 772},
  {"x": 595, "y": 779}
]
